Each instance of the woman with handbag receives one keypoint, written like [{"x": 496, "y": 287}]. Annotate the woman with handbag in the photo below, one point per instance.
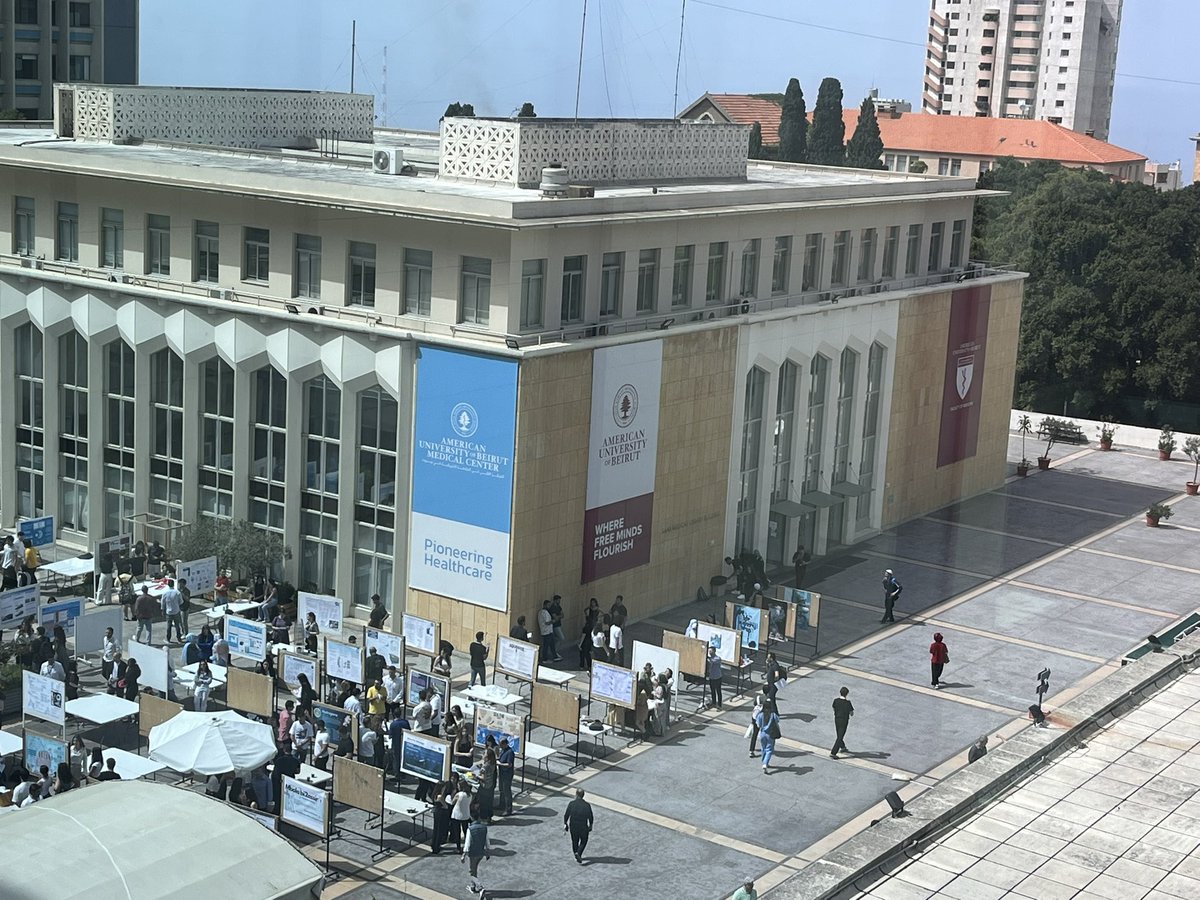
[{"x": 768, "y": 731}]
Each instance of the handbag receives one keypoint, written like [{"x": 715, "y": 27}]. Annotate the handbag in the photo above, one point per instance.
[
  {"x": 773, "y": 729},
  {"x": 749, "y": 731}
]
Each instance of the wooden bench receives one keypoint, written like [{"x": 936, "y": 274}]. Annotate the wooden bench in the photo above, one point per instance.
[{"x": 1062, "y": 432}]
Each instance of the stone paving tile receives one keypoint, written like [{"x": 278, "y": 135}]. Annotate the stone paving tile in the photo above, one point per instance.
[
  {"x": 1069, "y": 811},
  {"x": 1092, "y": 799},
  {"x": 1172, "y": 840},
  {"x": 1089, "y": 857},
  {"x": 1112, "y": 888},
  {"x": 1178, "y": 885},
  {"x": 990, "y": 828},
  {"x": 1039, "y": 888},
  {"x": 1013, "y": 814},
  {"x": 995, "y": 874},
  {"x": 1110, "y": 787},
  {"x": 1122, "y": 827},
  {"x": 1067, "y": 873},
  {"x": 924, "y": 875},
  {"x": 964, "y": 888},
  {"x": 948, "y": 859},
  {"x": 1151, "y": 855},
  {"x": 894, "y": 889},
  {"x": 1135, "y": 872},
  {"x": 1056, "y": 827},
  {"x": 968, "y": 842},
  {"x": 1112, "y": 845},
  {"x": 1042, "y": 844}
]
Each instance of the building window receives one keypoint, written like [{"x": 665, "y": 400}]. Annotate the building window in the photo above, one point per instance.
[
  {"x": 870, "y": 435},
  {"x": 23, "y": 226},
  {"x": 891, "y": 250},
  {"x": 841, "y": 259},
  {"x": 208, "y": 252},
  {"x": 418, "y": 282},
  {"x": 268, "y": 441},
  {"x": 756, "y": 386},
  {"x": 714, "y": 285},
  {"x": 817, "y": 388},
  {"x": 912, "y": 255},
  {"x": 27, "y": 66},
  {"x": 360, "y": 286},
  {"x": 937, "y": 232},
  {"x": 80, "y": 14},
  {"x": 781, "y": 265},
  {"x": 256, "y": 255},
  {"x": 956, "y": 167},
  {"x": 681, "y": 277},
  {"x": 112, "y": 238},
  {"x": 785, "y": 431},
  {"x": 27, "y": 12},
  {"x": 612, "y": 276},
  {"x": 647, "y": 291},
  {"x": 120, "y": 436},
  {"x": 574, "y": 273},
  {"x": 810, "y": 278},
  {"x": 749, "y": 281},
  {"x": 319, "y": 499},
  {"x": 73, "y": 431},
  {"x": 158, "y": 245},
  {"x": 375, "y": 494},
  {"x": 31, "y": 432},
  {"x": 66, "y": 245},
  {"x": 166, "y": 459},
  {"x": 943, "y": 166},
  {"x": 475, "y": 298},
  {"x": 307, "y": 282},
  {"x": 80, "y": 67},
  {"x": 958, "y": 233},
  {"x": 866, "y": 255},
  {"x": 216, "y": 438},
  {"x": 845, "y": 415},
  {"x": 533, "y": 293}
]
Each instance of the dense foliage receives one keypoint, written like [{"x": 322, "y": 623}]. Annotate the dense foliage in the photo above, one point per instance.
[
  {"x": 827, "y": 137},
  {"x": 793, "y": 124},
  {"x": 864, "y": 150}
]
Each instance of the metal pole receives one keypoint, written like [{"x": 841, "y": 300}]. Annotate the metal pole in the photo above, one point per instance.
[
  {"x": 678, "y": 60},
  {"x": 579, "y": 74},
  {"x": 353, "y": 49}
]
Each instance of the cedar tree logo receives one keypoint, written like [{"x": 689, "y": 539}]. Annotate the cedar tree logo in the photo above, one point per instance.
[
  {"x": 463, "y": 419},
  {"x": 625, "y": 405}
]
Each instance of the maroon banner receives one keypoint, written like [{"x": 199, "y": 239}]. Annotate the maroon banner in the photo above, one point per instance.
[
  {"x": 617, "y": 537},
  {"x": 962, "y": 393}
]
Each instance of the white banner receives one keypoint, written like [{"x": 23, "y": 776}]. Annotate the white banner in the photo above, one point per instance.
[
  {"x": 154, "y": 663},
  {"x": 517, "y": 658},
  {"x": 44, "y": 697},
  {"x": 389, "y": 646},
  {"x": 18, "y": 604},
  {"x": 200, "y": 574},
  {"x": 246, "y": 637},
  {"x": 90, "y": 627},
  {"x": 343, "y": 661},
  {"x": 328, "y": 610},
  {"x": 304, "y": 806},
  {"x": 420, "y": 635},
  {"x": 623, "y": 443}
]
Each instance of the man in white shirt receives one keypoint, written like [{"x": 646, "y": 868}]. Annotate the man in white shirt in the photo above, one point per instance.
[
  {"x": 423, "y": 714},
  {"x": 435, "y": 717},
  {"x": 368, "y": 738},
  {"x": 172, "y": 606},
  {"x": 546, "y": 629},
  {"x": 393, "y": 684},
  {"x": 8, "y": 563},
  {"x": 353, "y": 705},
  {"x": 52, "y": 668},
  {"x": 111, "y": 648},
  {"x": 322, "y": 749},
  {"x": 302, "y": 735},
  {"x": 616, "y": 644}
]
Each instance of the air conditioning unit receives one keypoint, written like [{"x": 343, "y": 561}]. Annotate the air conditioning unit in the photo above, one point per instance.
[{"x": 387, "y": 160}]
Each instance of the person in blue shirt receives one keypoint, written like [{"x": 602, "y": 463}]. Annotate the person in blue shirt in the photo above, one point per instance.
[
  {"x": 768, "y": 730},
  {"x": 507, "y": 763}
]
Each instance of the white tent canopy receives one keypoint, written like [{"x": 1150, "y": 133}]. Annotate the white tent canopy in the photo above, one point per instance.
[
  {"x": 139, "y": 840},
  {"x": 210, "y": 743}
]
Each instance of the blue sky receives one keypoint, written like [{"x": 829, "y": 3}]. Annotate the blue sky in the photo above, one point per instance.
[{"x": 499, "y": 53}]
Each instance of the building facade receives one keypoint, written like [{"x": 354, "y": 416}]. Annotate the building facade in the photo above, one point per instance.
[
  {"x": 467, "y": 395},
  {"x": 44, "y": 41},
  {"x": 1032, "y": 59}
]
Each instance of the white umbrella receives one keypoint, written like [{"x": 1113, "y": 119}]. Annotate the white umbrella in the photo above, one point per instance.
[{"x": 210, "y": 743}]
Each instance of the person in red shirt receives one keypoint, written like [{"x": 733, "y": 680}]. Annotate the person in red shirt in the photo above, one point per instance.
[{"x": 938, "y": 657}]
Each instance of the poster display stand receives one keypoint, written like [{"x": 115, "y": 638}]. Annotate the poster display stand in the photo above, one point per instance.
[
  {"x": 422, "y": 636},
  {"x": 803, "y": 616},
  {"x": 308, "y": 808},
  {"x": 154, "y": 710},
  {"x": 559, "y": 710},
  {"x": 360, "y": 786},
  {"x": 518, "y": 659},
  {"x": 692, "y": 652},
  {"x": 250, "y": 692},
  {"x": 292, "y": 664}
]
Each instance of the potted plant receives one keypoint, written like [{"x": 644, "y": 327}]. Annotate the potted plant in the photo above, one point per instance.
[
  {"x": 1106, "y": 430},
  {"x": 1191, "y": 448},
  {"x": 1166, "y": 442},
  {"x": 1048, "y": 428},
  {"x": 1024, "y": 429},
  {"x": 1157, "y": 511}
]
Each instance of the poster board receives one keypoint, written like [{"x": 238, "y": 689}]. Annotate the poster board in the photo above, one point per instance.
[
  {"x": 613, "y": 684},
  {"x": 303, "y": 805},
  {"x": 808, "y": 607},
  {"x": 749, "y": 621},
  {"x": 90, "y": 628},
  {"x": 334, "y": 718},
  {"x": 417, "y": 681},
  {"x": 726, "y": 640},
  {"x": 660, "y": 659},
  {"x": 499, "y": 724},
  {"x": 18, "y": 604},
  {"x": 692, "y": 652},
  {"x": 389, "y": 646},
  {"x": 265, "y": 819},
  {"x": 517, "y": 658},
  {"x": 328, "y": 610},
  {"x": 420, "y": 635},
  {"x": 424, "y": 757},
  {"x": 250, "y": 692},
  {"x": 39, "y": 532},
  {"x": 781, "y": 620},
  {"x": 358, "y": 784},
  {"x": 246, "y": 638},
  {"x": 111, "y": 548},
  {"x": 40, "y": 750},
  {"x": 44, "y": 698},
  {"x": 63, "y": 611},
  {"x": 556, "y": 708},
  {"x": 200, "y": 574},
  {"x": 292, "y": 664},
  {"x": 155, "y": 664},
  {"x": 343, "y": 660},
  {"x": 154, "y": 710}
]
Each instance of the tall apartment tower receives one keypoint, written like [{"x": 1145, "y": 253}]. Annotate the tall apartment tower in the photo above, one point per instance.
[
  {"x": 44, "y": 41},
  {"x": 1035, "y": 59}
]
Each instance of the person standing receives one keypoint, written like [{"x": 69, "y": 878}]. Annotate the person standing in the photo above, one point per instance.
[
  {"x": 768, "y": 731},
  {"x": 746, "y": 891},
  {"x": 618, "y": 612},
  {"x": 507, "y": 764},
  {"x": 172, "y": 606},
  {"x": 109, "y": 653},
  {"x": 144, "y": 610},
  {"x": 978, "y": 750},
  {"x": 302, "y": 735},
  {"x": 460, "y": 812},
  {"x": 891, "y": 593},
  {"x": 600, "y": 642},
  {"x": 800, "y": 560},
  {"x": 33, "y": 559},
  {"x": 479, "y": 655},
  {"x": 616, "y": 643},
  {"x": 475, "y": 849},
  {"x": 202, "y": 686},
  {"x": 774, "y": 679},
  {"x": 546, "y": 630},
  {"x": 938, "y": 657},
  {"x": 312, "y": 632},
  {"x": 379, "y": 612},
  {"x": 441, "y": 800},
  {"x": 715, "y": 675},
  {"x": 578, "y": 820},
  {"x": 556, "y": 618},
  {"x": 519, "y": 632},
  {"x": 843, "y": 709}
]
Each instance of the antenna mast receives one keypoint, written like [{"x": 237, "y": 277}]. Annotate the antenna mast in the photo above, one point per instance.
[
  {"x": 383, "y": 112},
  {"x": 353, "y": 42},
  {"x": 579, "y": 75},
  {"x": 678, "y": 60}
]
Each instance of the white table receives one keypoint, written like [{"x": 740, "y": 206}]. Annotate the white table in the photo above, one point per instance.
[
  {"x": 554, "y": 676},
  {"x": 130, "y": 766},
  {"x": 539, "y": 754},
  {"x": 102, "y": 708},
  {"x": 465, "y": 704},
  {"x": 10, "y": 743},
  {"x": 155, "y": 587},
  {"x": 597, "y": 736},
  {"x": 75, "y": 567},
  {"x": 237, "y": 608},
  {"x": 493, "y": 694},
  {"x": 314, "y": 776},
  {"x": 409, "y": 808}
]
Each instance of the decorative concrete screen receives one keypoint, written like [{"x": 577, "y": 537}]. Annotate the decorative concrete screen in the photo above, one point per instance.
[
  {"x": 213, "y": 116},
  {"x": 594, "y": 151}
]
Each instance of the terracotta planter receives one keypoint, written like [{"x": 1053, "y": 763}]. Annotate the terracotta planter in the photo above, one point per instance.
[
  {"x": 1192, "y": 487},
  {"x": 1043, "y": 463},
  {"x": 1164, "y": 454},
  {"x": 1022, "y": 471},
  {"x": 1105, "y": 443},
  {"x": 1152, "y": 521}
]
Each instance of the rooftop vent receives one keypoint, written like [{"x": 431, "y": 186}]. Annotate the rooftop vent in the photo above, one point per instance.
[{"x": 555, "y": 180}]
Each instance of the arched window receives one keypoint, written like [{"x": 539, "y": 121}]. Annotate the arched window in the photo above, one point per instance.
[
  {"x": 120, "y": 437},
  {"x": 319, "y": 499},
  {"x": 73, "y": 431},
  {"x": 375, "y": 495},
  {"x": 216, "y": 438},
  {"x": 31, "y": 435}
]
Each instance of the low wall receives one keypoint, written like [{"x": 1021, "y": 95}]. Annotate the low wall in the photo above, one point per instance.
[{"x": 1126, "y": 436}]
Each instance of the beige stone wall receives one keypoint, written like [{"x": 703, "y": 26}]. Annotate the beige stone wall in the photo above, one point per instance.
[
  {"x": 459, "y": 620},
  {"x": 915, "y": 485}
]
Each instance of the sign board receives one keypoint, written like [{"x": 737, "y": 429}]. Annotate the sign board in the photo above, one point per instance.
[
  {"x": 292, "y": 664},
  {"x": 328, "y": 610},
  {"x": 418, "y": 681},
  {"x": 725, "y": 640},
  {"x": 424, "y": 757},
  {"x": 18, "y": 604},
  {"x": 155, "y": 664},
  {"x": 612, "y": 684},
  {"x": 692, "y": 652},
  {"x": 200, "y": 574},
  {"x": 555, "y": 708},
  {"x": 962, "y": 389},
  {"x": 517, "y": 658},
  {"x": 343, "y": 660},
  {"x": 747, "y": 621},
  {"x": 246, "y": 637},
  {"x": 41, "y": 750},
  {"x": 465, "y": 430},
  {"x": 250, "y": 692},
  {"x": 808, "y": 608},
  {"x": 44, "y": 698},
  {"x": 108, "y": 549},
  {"x": 90, "y": 628},
  {"x": 304, "y": 806},
  {"x": 62, "y": 612},
  {"x": 660, "y": 659},
  {"x": 358, "y": 784},
  {"x": 420, "y": 635},
  {"x": 38, "y": 532},
  {"x": 389, "y": 646},
  {"x": 493, "y": 722}
]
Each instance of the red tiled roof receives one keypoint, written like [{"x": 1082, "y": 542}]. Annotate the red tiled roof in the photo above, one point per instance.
[{"x": 742, "y": 109}]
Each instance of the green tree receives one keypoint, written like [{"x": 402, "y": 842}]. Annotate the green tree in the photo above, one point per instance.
[
  {"x": 793, "y": 124},
  {"x": 242, "y": 547},
  {"x": 527, "y": 111},
  {"x": 756, "y": 141},
  {"x": 918, "y": 167},
  {"x": 827, "y": 140},
  {"x": 864, "y": 150},
  {"x": 9, "y": 115}
]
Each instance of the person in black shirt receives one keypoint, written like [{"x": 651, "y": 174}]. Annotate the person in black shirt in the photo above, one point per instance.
[
  {"x": 379, "y": 613},
  {"x": 519, "y": 632},
  {"x": 285, "y": 764},
  {"x": 109, "y": 774},
  {"x": 479, "y": 654},
  {"x": 843, "y": 709},
  {"x": 578, "y": 820}
]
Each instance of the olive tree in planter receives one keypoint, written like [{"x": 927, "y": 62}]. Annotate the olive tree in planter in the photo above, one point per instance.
[
  {"x": 241, "y": 547},
  {"x": 1191, "y": 448},
  {"x": 1024, "y": 429},
  {"x": 1050, "y": 430},
  {"x": 1166, "y": 442},
  {"x": 1106, "y": 431},
  {"x": 1157, "y": 511}
]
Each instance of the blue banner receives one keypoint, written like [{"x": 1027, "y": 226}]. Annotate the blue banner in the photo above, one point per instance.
[{"x": 38, "y": 532}]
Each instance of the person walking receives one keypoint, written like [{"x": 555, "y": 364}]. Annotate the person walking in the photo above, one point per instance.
[
  {"x": 144, "y": 610},
  {"x": 891, "y": 593},
  {"x": 746, "y": 891},
  {"x": 843, "y": 709},
  {"x": 479, "y": 655},
  {"x": 578, "y": 820},
  {"x": 475, "y": 850},
  {"x": 938, "y": 657},
  {"x": 768, "y": 731},
  {"x": 715, "y": 674},
  {"x": 774, "y": 679},
  {"x": 507, "y": 764},
  {"x": 460, "y": 812},
  {"x": 800, "y": 560}
]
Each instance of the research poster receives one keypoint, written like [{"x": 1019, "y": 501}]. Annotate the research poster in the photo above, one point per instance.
[
  {"x": 304, "y": 806},
  {"x": 336, "y": 720},
  {"x": 424, "y": 757},
  {"x": 45, "y": 751},
  {"x": 44, "y": 697},
  {"x": 748, "y": 621},
  {"x": 660, "y": 659},
  {"x": 343, "y": 661},
  {"x": 462, "y": 475},
  {"x": 517, "y": 658},
  {"x": 498, "y": 724},
  {"x": 38, "y": 532},
  {"x": 18, "y": 604},
  {"x": 612, "y": 684},
  {"x": 328, "y": 611},
  {"x": 420, "y": 635},
  {"x": 962, "y": 389},
  {"x": 291, "y": 665},
  {"x": 622, "y": 458},
  {"x": 246, "y": 637},
  {"x": 723, "y": 640},
  {"x": 808, "y": 607},
  {"x": 201, "y": 574},
  {"x": 389, "y": 646},
  {"x": 62, "y": 612},
  {"x": 418, "y": 681}
]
